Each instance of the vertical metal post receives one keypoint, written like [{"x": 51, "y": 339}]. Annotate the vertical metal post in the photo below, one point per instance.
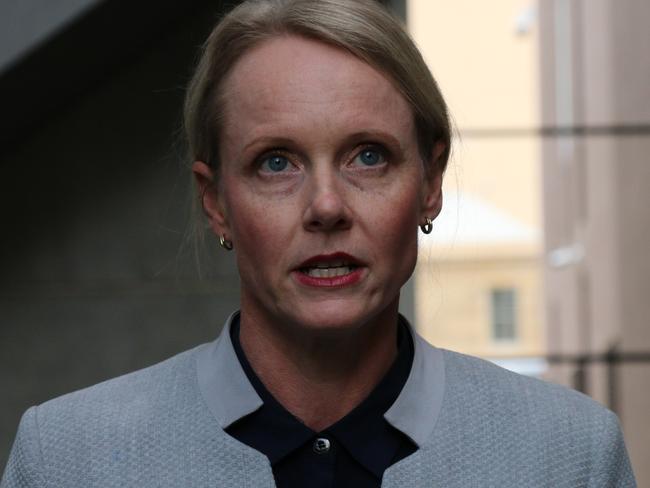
[
  {"x": 580, "y": 374},
  {"x": 612, "y": 358}
]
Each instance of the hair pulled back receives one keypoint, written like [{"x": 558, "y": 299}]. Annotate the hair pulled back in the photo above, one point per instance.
[{"x": 362, "y": 27}]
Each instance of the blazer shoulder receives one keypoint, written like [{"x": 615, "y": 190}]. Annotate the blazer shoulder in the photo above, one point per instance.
[
  {"x": 108, "y": 423},
  {"x": 498, "y": 389},
  {"x": 133, "y": 390},
  {"x": 24, "y": 467},
  {"x": 523, "y": 418},
  {"x": 121, "y": 408},
  {"x": 147, "y": 428}
]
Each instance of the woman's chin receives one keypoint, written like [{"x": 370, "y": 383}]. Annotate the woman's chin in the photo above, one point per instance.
[{"x": 335, "y": 316}]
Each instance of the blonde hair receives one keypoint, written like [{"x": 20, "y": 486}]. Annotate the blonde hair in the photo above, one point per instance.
[{"x": 362, "y": 27}]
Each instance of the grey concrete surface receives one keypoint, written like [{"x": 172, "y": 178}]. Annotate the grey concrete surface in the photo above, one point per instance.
[
  {"x": 94, "y": 205},
  {"x": 24, "y": 24}
]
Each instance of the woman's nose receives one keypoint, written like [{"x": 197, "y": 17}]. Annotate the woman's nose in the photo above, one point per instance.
[{"x": 327, "y": 207}]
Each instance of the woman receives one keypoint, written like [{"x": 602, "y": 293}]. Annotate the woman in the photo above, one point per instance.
[{"x": 319, "y": 141}]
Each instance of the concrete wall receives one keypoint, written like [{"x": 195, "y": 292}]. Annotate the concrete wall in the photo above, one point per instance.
[
  {"x": 25, "y": 24},
  {"x": 596, "y": 83},
  {"x": 94, "y": 205}
]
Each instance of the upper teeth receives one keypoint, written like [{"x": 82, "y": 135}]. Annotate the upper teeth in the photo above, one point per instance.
[
  {"x": 331, "y": 264},
  {"x": 329, "y": 271}
]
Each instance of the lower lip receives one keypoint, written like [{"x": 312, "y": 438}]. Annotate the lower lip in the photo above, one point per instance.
[{"x": 334, "y": 282}]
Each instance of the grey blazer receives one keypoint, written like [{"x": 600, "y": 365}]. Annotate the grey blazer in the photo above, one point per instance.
[{"x": 476, "y": 425}]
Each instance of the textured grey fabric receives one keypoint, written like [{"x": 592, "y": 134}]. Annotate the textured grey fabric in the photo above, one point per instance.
[
  {"x": 230, "y": 396},
  {"x": 146, "y": 429},
  {"x": 153, "y": 428},
  {"x": 500, "y": 429},
  {"x": 417, "y": 408}
]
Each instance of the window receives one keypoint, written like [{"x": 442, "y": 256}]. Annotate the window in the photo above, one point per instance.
[{"x": 504, "y": 314}]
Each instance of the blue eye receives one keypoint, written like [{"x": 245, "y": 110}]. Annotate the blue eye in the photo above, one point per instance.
[
  {"x": 370, "y": 157},
  {"x": 275, "y": 163}
]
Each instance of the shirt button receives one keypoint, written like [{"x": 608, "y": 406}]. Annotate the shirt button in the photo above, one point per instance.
[{"x": 321, "y": 445}]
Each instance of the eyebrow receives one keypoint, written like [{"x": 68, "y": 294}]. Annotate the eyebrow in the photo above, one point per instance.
[
  {"x": 269, "y": 141},
  {"x": 356, "y": 137}
]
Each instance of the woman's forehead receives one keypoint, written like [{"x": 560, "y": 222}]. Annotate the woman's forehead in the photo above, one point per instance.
[{"x": 291, "y": 79}]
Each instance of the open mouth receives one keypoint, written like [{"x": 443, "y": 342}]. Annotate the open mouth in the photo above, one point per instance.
[{"x": 330, "y": 270}]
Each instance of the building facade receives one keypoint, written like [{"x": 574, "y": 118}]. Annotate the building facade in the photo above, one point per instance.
[
  {"x": 478, "y": 280},
  {"x": 596, "y": 121}
]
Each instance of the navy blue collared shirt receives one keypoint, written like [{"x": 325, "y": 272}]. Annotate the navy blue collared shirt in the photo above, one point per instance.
[{"x": 353, "y": 452}]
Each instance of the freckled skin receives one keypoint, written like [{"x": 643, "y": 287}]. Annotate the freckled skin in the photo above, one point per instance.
[
  {"x": 318, "y": 350},
  {"x": 315, "y": 96}
]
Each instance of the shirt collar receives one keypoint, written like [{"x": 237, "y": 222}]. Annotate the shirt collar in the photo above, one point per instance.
[
  {"x": 367, "y": 436},
  {"x": 222, "y": 381},
  {"x": 364, "y": 433},
  {"x": 417, "y": 408},
  {"x": 271, "y": 429},
  {"x": 230, "y": 396}
]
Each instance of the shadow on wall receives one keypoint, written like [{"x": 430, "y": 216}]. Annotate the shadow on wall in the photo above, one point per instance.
[{"x": 94, "y": 200}]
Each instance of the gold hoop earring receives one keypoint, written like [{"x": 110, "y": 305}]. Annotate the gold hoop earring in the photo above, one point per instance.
[
  {"x": 225, "y": 243},
  {"x": 427, "y": 227}
]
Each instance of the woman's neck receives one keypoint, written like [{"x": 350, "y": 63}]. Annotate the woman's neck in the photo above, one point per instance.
[{"x": 320, "y": 376}]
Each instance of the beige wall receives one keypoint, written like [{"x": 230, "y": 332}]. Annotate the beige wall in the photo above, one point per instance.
[
  {"x": 488, "y": 74},
  {"x": 487, "y": 71},
  {"x": 501, "y": 170}
]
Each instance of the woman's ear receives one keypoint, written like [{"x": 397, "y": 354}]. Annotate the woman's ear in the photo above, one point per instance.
[
  {"x": 432, "y": 196},
  {"x": 210, "y": 198}
]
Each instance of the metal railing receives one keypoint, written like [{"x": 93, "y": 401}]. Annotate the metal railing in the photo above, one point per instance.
[{"x": 612, "y": 359}]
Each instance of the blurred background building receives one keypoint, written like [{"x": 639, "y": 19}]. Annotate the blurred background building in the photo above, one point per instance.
[
  {"x": 539, "y": 259},
  {"x": 478, "y": 283},
  {"x": 595, "y": 92},
  {"x": 537, "y": 262}
]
